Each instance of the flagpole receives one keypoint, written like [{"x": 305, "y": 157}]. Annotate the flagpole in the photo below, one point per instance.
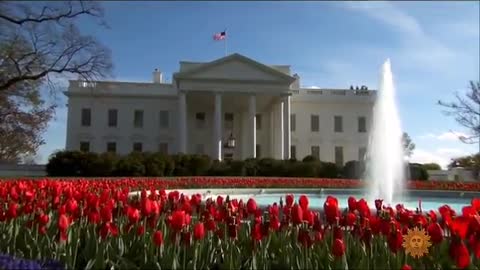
[{"x": 225, "y": 45}]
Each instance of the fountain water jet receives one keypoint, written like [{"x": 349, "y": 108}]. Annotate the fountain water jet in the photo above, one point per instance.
[{"x": 385, "y": 168}]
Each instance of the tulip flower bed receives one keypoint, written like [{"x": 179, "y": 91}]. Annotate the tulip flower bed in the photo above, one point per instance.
[
  {"x": 257, "y": 182},
  {"x": 97, "y": 225}
]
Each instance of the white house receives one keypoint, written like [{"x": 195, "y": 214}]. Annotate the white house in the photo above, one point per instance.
[{"x": 260, "y": 108}]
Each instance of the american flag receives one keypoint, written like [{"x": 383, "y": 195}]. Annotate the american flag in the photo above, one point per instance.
[{"x": 220, "y": 36}]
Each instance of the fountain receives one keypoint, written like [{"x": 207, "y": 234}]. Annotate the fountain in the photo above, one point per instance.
[{"x": 385, "y": 168}]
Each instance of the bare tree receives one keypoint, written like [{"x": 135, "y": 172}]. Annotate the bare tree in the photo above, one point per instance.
[
  {"x": 40, "y": 40},
  {"x": 466, "y": 110}
]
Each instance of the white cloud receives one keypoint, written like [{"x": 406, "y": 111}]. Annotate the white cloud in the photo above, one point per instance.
[
  {"x": 312, "y": 87},
  {"x": 419, "y": 48},
  {"x": 444, "y": 136},
  {"x": 441, "y": 156},
  {"x": 389, "y": 14}
]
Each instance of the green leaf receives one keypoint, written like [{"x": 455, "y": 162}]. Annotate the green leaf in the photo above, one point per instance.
[{"x": 90, "y": 264}]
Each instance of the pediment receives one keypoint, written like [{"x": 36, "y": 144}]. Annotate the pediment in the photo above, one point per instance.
[{"x": 238, "y": 68}]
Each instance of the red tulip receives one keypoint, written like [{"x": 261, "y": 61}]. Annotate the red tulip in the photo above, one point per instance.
[
  {"x": 459, "y": 226},
  {"x": 436, "y": 233},
  {"x": 406, "y": 267},
  {"x": 186, "y": 238},
  {"x": 219, "y": 200},
  {"x": 460, "y": 254},
  {"x": 338, "y": 248},
  {"x": 251, "y": 206},
  {"x": 157, "y": 238},
  {"x": 93, "y": 217},
  {"x": 289, "y": 199},
  {"x": 146, "y": 207},
  {"x": 63, "y": 223},
  {"x": 363, "y": 208},
  {"x": 12, "y": 210},
  {"x": 133, "y": 214},
  {"x": 211, "y": 225},
  {"x": 72, "y": 206},
  {"x": 395, "y": 240},
  {"x": 257, "y": 232},
  {"x": 352, "y": 204},
  {"x": 476, "y": 204},
  {"x": 178, "y": 220},
  {"x": 199, "y": 231},
  {"x": 297, "y": 214},
  {"x": 43, "y": 219},
  {"x": 303, "y": 201},
  {"x": 304, "y": 238},
  {"x": 350, "y": 219},
  {"x": 274, "y": 223},
  {"x": 140, "y": 230},
  {"x": 331, "y": 209}
]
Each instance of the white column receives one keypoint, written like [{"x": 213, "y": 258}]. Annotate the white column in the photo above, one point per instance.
[
  {"x": 217, "y": 128},
  {"x": 182, "y": 123},
  {"x": 281, "y": 143},
  {"x": 252, "y": 129},
  {"x": 286, "y": 127}
]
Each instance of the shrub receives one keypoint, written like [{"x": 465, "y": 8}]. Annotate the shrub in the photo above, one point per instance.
[
  {"x": 301, "y": 169},
  {"x": 271, "y": 167},
  {"x": 251, "y": 167},
  {"x": 328, "y": 170},
  {"x": 64, "y": 163},
  {"x": 199, "y": 164},
  {"x": 310, "y": 158},
  {"x": 431, "y": 166},
  {"x": 130, "y": 165},
  {"x": 418, "y": 172},
  {"x": 155, "y": 164},
  {"x": 181, "y": 163},
  {"x": 106, "y": 163},
  {"x": 219, "y": 168},
  {"x": 354, "y": 169}
]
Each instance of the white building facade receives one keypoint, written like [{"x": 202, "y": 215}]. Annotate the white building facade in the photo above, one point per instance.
[{"x": 260, "y": 107}]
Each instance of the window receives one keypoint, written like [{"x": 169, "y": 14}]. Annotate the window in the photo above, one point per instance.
[
  {"x": 339, "y": 155},
  {"x": 293, "y": 122},
  {"x": 112, "y": 118},
  {"x": 314, "y": 123},
  {"x": 85, "y": 146},
  {"x": 164, "y": 119},
  {"x": 199, "y": 149},
  {"x": 137, "y": 147},
  {"x": 362, "y": 151},
  {"x": 163, "y": 148},
  {"x": 362, "y": 124},
  {"x": 316, "y": 151},
  {"x": 258, "y": 151},
  {"x": 86, "y": 117},
  {"x": 200, "y": 120},
  {"x": 293, "y": 151},
  {"x": 138, "y": 119},
  {"x": 258, "y": 121},
  {"x": 111, "y": 147},
  {"x": 228, "y": 120},
  {"x": 338, "y": 125}
]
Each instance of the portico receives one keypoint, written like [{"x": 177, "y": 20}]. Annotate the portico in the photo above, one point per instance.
[{"x": 224, "y": 98}]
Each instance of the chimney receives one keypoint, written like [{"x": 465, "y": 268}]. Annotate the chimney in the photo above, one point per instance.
[
  {"x": 296, "y": 83},
  {"x": 157, "y": 76}
]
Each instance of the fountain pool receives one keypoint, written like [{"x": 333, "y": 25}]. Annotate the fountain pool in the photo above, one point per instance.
[{"x": 430, "y": 200}]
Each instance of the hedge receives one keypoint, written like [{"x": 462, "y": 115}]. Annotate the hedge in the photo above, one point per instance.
[{"x": 76, "y": 163}]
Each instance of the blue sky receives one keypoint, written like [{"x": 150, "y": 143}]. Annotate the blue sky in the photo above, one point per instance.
[{"x": 433, "y": 46}]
